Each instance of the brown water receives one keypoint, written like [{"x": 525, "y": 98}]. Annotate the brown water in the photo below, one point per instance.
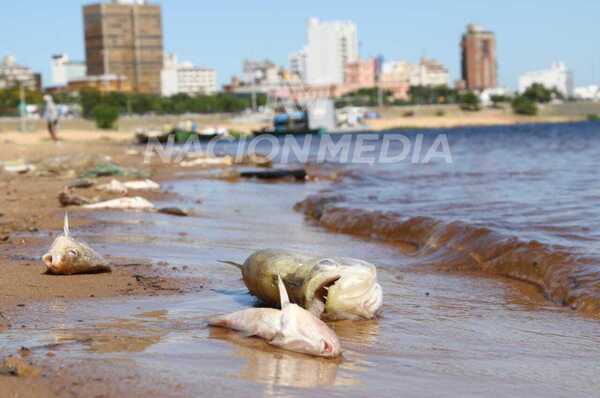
[{"x": 442, "y": 334}]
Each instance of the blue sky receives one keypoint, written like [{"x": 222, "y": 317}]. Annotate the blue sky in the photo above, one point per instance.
[{"x": 219, "y": 34}]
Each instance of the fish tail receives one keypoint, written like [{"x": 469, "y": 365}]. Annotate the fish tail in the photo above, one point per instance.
[{"x": 240, "y": 266}]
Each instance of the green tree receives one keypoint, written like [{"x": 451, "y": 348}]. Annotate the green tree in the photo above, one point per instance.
[
  {"x": 470, "y": 101},
  {"x": 523, "y": 105},
  {"x": 538, "y": 93}
]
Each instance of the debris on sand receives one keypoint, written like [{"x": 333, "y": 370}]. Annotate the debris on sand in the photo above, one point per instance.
[
  {"x": 67, "y": 198},
  {"x": 81, "y": 183},
  {"x": 104, "y": 170},
  {"x": 135, "y": 203},
  {"x": 208, "y": 161},
  {"x": 142, "y": 185},
  {"x": 18, "y": 167},
  {"x": 255, "y": 159},
  {"x": 174, "y": 211},
  {"x": 15, "y": 366},
  {"x": 296, "y": 174}
]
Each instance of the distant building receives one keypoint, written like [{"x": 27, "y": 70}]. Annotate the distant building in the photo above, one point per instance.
[
  {"x": 589, "y": 93},
  {"x": 557, "y": 77},
  {"x": 124, "y": 38},
  {"x": 13, "y": 74},
  {"x": 331, "y": 46},
  {"x": 64, "y": 70},
  {"x": 361, "y": 73},
  {"x": 479, "y": 66},
  {"x": 186, "y": 78},
  {"x": 102, "y": 83},
  {"x": 428, "y": 72},
  {"x": 297, "y": 63},
  {"x": 260, "y": 72}
]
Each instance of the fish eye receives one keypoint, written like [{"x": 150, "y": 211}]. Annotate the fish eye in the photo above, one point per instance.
[{"x": 73, "y": 253}]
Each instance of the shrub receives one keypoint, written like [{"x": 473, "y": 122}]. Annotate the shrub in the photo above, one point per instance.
[
  {"x": 106, "y": 116},
  {"x": 470, "y": 102},
  {"x": 522, "y": 105},
  {"x": 593, "y": 117}
]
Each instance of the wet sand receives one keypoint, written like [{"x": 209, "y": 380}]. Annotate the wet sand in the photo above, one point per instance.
[{"x": 442, "y": 334}]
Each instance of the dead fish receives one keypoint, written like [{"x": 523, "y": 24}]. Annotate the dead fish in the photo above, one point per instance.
[
  {"x": 113, "y": 186},
  {"x": 68, "y": 256},
  {"x": 291, "y": 328},
  {"x": 142, "y": 185},
  {"x": 135, "y": 203},
  {"x": 330, "y": 288}
]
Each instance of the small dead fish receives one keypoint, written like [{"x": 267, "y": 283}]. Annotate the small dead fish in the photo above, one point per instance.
[
  {"x": 135, "y": 203},
  {"x": 68, "y": 256},
  {"x": 291, "y": 328}
]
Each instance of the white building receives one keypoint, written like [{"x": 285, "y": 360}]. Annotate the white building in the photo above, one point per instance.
[
  {"x": 589, "y": 93},
  {"x": 297, "y": 63},
  {"x": 427, "y": 72},
  {"x": 558, "y": 77},
  {"x": 13, "y": 74},
  {"x": 186, "y": 78},
  {"x": 331, "y": 45},
  {"x": 64, "y": 70}
]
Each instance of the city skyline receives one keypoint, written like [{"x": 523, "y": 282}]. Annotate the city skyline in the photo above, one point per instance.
[{"x": 234, "y": 33}]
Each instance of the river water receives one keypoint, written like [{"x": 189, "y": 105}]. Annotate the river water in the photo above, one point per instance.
[{"x": 510, "y": 198}]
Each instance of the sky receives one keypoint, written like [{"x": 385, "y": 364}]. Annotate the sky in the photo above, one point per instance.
[{"x": 530, "y": 35}]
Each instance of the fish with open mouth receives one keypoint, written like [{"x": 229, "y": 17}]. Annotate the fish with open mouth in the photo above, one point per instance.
[
  {"x": 291, "y": 328},
  {"x": 334, "y": 288},
  {"x": 68, "y": 256}
]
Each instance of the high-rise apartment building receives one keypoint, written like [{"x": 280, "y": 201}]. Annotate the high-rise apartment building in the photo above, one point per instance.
[
  {"x": 124, "y": 38},
  {"x": 558, "y": 77},
  {"x": 331, "y": 46},
  {"x": 479, "y": 67}
]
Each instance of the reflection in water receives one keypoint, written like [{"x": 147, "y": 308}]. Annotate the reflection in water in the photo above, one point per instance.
[{"x": 274, "y": 367}]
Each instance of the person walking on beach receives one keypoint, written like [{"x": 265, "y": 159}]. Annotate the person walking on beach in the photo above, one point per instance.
[{"x": 51, "y": 116}]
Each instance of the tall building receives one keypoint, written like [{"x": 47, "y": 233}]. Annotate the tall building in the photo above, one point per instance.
[
  {"x": 186, "y": 78},
  {"x": 557, "y": 77},
  {"x": 13, "y": 74},
  {"x": 64, "y": 70},
  {"x": 331, "y": 45},
  {"x": 125, "y": 38},
  {"x": 479, "y": 67},
  {"x": 297, "y": 63}
]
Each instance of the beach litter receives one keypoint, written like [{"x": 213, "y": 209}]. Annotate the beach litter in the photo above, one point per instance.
[
  {"x": 296, "y": 174},
  {"x": 174, "y": 211},
  {"x": 208, "y": 161},
  {"x": 81, "y": 183},
  {"x": 18, "y": 167}
]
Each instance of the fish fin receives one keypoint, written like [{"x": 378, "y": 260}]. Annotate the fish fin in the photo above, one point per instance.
[
  {"x": 290, "y": 281},
  {"x": 66, "y": 225},
  {"x": 240, "y": 266},
  {"x": 283, "y": 295}
]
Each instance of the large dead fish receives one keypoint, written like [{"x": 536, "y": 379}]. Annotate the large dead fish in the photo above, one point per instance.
[
  {"x": 68, "y": 256},
  {"x": 291, "y": 328},
  {"x": 330, "y": 288}
]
